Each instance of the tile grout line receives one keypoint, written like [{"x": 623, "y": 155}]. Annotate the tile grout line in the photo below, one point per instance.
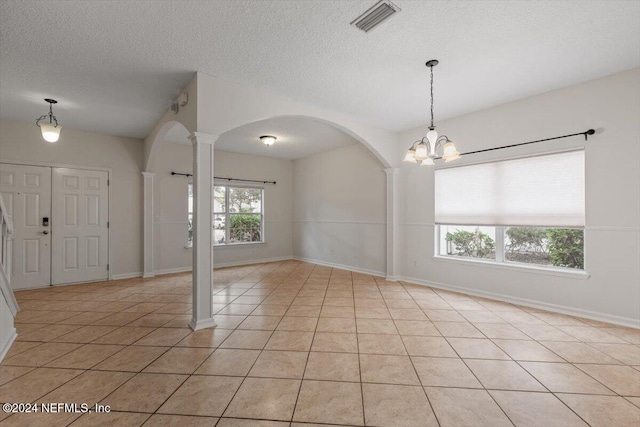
[
  {"x": 263, "y": 348},
  {"x": 141, "y": 372},
  {"x": 295, "y": 405},
  {"x": 355, "y": 320},
  {"x": 125, "y": 292},
  {"x": 473, "y": 373},
  {"x": 422, "y": 386},
  {"x": 518, "y": 363},
  {"x": 527, "y": 371}
]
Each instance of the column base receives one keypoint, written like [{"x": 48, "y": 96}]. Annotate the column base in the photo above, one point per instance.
[{"x": 196, "y": 325}]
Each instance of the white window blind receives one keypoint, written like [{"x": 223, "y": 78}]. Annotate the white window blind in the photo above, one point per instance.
[{"x": 543, "y": 190}]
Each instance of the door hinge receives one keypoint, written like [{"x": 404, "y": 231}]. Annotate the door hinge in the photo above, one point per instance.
[
  {"x": 107, "y": 266},
  {"x": 107, "y": 224},
  {"x": 108, "y": 182}
]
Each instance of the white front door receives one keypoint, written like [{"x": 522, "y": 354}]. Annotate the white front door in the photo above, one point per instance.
[
  {"x": 26, "y": 191},
  {"x": 80, "y": 225}
]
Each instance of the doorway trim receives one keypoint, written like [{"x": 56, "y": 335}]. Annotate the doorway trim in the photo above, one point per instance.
[{"x": 71, "y": 166}]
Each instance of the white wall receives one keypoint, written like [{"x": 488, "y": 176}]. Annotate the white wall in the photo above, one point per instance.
[
  {"x": 610, "y": 105},
  {"x": 170, "y": 207},
  {"x": 339, "y": 209},
  {"x": 23, "y": 142}
]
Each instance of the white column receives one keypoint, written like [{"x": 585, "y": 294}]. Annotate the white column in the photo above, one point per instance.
[
  {"x": 392, "y": 223},
  {"x": 148, "y": 223},
  {"x": 202, "y": 230}
]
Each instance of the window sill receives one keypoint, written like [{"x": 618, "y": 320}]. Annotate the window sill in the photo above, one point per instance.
[
  {"x": 578, "y": 274},
  {"x": 238, "y": 245},
  {"x": 233, "y": 245}
]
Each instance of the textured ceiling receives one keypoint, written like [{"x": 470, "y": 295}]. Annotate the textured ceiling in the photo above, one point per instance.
[
  {"x": 115, "y": 66},
  {"x": 297, "y": 138}
]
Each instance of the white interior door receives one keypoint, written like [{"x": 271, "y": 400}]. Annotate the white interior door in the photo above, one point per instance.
[
  {"x": 80, "y": 221},
  {"x": 26, "y": 191}
]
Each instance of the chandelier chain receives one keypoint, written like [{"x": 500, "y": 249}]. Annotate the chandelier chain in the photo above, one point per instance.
[{"x": 431, "y": 95}]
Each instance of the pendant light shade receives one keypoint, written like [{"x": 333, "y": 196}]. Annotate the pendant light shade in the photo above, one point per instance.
[
  {"x": 426, "y": 150},
  {"x": 51, "y": 129},
  {"x": 410, "y": 156},
  {"x": 421, "y": 151},
  {"x": 450, "y": 152}
]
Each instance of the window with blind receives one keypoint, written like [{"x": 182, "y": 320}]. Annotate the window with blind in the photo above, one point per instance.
[{"x": 529, "y": 210}]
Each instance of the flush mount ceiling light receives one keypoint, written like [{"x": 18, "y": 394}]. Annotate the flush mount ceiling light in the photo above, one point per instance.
[
  {"x": 50, "y": 130},
  {"x": 268, "y": 140},
  {"x": 425, "y": 150}
]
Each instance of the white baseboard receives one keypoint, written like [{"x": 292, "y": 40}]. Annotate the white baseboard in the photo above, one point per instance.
[
  {"x": 88, "y": 282},
  {"x": 150, "y": 275},
  {"x": 253, "y": 261},
  {"x": 126, "y": 275},
  {"x": 171, "y": 271},
  {"x": 202, "y": 324},
  {"x": 341, "y": 266},
  {"x": 188, "y": 268},
  {"x": 556, "y": 308},
  {"x": 5, "y": 346}
]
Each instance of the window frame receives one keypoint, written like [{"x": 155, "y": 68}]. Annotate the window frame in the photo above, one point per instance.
[
  {"x": 189, "y": 214},
  {"x": 501, "y": 262},
  {"x": 227, "y": 215}
]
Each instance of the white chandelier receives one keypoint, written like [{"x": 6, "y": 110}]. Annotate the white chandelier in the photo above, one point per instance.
[{"x": 425, "y": 150}]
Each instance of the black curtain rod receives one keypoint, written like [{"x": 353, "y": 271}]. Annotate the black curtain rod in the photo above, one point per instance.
[
  {"x": 227, "y": 179},
  {"x": 585, "y": 133}
]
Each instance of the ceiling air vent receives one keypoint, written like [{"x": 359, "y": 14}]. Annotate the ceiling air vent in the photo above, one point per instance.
[{"x": 375, "y": 15}]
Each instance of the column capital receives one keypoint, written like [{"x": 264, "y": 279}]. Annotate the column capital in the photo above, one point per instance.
[
  {"x": 203, "y": 138},
  {"x": 148, "y": 174},
  {"x": 393, "y": 171}
]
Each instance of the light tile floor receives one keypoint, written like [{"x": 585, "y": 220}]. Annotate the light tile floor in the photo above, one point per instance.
[{"x": 299, "y": 344}]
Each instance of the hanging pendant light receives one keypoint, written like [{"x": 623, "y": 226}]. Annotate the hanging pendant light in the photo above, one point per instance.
[
  {"x": 50, "y": 130},
  {"x": 426, "y": 149}
]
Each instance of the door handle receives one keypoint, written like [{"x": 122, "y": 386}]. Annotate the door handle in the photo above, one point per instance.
[{"x": 45, "y": 232}]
